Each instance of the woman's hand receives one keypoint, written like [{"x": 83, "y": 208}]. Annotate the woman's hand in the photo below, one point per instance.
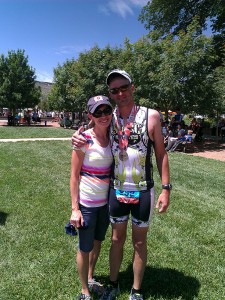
[{"x": 76, "y": 218}]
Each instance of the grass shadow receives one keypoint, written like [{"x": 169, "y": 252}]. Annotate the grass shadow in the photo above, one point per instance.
[
  {"x": 209, "y": 145},
  {"x": 3, "y": 217},
  {"x": 163, "y": 282}
]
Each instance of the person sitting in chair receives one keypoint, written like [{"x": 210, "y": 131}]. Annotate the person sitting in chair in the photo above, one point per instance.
[{"x": 174, "y": 142}]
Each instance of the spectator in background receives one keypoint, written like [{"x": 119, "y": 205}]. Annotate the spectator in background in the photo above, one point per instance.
[
  {"x": 10, "y": 118},
  {"x": 221, "y": 127},
  {"x": 169, "y": 134},
  {"x": 178, "y": 117},
  {"x": 27, "y": 117},
  {"x": 66, "y": 120},
  {"x": 194, "y": 125},
  {"x": 34, "y": 116},
  {"x": 174, "y": 142},
  {"x": 173, "y": 123}
]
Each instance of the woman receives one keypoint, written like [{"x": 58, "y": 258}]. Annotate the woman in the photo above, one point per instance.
[{"x": 89, "y": 184}]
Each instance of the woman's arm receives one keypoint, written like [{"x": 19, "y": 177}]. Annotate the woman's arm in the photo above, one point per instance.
[{"x": 76, "y": 162}]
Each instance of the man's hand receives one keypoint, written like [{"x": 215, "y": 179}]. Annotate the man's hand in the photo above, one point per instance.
[
  {"x": 163, "y": 201},
  {"x": 78, "y": 140}
]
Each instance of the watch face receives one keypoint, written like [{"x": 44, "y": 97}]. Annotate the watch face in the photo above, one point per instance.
[{"x": 167, "y": 186}]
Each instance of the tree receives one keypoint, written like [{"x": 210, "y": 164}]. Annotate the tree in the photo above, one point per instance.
[
  {"x": 219, "y": 88},
  {"x": 77, "y": 80},
  {"x": 17, "y": 82},
  {"x": 167, "y": 73},
  {"x": 172, "y": 16},
  {"x": 174, "y": 73}
]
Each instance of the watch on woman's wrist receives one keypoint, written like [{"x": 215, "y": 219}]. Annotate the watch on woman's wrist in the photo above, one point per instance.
[{"x": 167, "y": 186}]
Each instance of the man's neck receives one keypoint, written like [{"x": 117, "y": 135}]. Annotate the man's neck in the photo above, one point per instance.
[{"x": 125, "y": 111}]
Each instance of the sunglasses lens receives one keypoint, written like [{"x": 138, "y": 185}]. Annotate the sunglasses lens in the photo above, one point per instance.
[
  {"x": 107, "y": 111},
  {"x": 114, "y": 91},
  {"x": 99, "y": 113},
  {"x": 123, "y": 88}
]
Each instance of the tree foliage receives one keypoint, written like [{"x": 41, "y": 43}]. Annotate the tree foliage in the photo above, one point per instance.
[
  {"x": 17, "y": 82},
  {"x": 172, "y": 16},
  {"x": 166, "y": 72},
  {"x": 174, "y": 73},
  {"x": 77, "y": 80},
  {"x": 219, "y": 88}
]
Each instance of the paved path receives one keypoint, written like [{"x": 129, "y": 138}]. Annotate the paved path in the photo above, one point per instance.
[{"x": 34, "y": 139}]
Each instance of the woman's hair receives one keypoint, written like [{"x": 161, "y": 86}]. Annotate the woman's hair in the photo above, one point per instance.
[{"x": 91, "y": 124}]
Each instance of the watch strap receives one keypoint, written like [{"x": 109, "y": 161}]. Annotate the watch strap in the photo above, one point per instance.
[{"x": 167, "y": 186}]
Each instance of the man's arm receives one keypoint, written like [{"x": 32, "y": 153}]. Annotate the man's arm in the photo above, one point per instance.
[
  {"x": 155, "y": 133},
  {"x": 77, "y": 139}
]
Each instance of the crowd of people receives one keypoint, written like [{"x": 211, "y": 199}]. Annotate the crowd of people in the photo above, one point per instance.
[
  {"x": 176, "y": 131},
  {"x": 32, "y": 116},
  {"x": 27, "y": 116}
]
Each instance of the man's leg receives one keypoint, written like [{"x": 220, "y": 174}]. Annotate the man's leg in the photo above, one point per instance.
[
  {"x": 115, "y": 260},
  {"x": 171, "y": 142},
  {"x": 175, "y": 145},
  {"x": 139, "y": 237},
  {"x": 116, "y": 251}
]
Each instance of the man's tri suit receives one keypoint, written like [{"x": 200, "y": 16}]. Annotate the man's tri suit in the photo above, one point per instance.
[{"x": 132, "y": 172}]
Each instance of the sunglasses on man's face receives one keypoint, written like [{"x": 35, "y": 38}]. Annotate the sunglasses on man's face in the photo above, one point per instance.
[
  {"x": 122, "y": 88},
  {"x": 98, "y": 113}
]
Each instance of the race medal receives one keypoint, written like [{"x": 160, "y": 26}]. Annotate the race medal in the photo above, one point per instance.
[
  {"x": 123, "y": 156},
  {"x": 124, "y": 131}
]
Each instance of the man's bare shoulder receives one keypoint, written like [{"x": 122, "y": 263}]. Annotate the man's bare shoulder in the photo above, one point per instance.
[{"x": 152, "y": 113}]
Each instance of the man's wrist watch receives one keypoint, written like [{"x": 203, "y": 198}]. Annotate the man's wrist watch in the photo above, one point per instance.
[{"x": 167, "y": 186}]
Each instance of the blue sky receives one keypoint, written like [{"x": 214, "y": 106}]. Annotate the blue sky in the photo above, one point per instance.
[{"x": 51, "y": 31}]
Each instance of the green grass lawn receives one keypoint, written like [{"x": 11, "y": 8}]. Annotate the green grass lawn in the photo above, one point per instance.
[
  {"x": 185, "y": 245},
  {"x": 18, "y": 132}
]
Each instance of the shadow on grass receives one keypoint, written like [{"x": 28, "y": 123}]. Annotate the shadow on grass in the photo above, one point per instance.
[
  {"x": 210, "y": 145},
  {"x": 3, "y": 217},
  {"x": 163, "y": 282}
]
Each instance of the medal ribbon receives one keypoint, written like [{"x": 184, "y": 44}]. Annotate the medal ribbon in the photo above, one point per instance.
[{"x": 124, "y": 130}]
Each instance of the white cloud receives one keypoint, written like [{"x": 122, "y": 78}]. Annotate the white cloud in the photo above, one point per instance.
[
  {"x": 122, "y": 7},
  {"x": 71, "y": 50},
  {"x": 44, "y": 76},
  {"x": 140, "y": 3}
]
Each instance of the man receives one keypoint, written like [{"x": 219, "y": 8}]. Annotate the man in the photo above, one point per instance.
[{"x": 135, "y": 131}]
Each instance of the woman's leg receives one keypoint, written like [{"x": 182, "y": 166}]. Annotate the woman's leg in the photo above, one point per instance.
[
  {"x": 82, "y": 266},
  {"x": 93, "y": 257}
]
